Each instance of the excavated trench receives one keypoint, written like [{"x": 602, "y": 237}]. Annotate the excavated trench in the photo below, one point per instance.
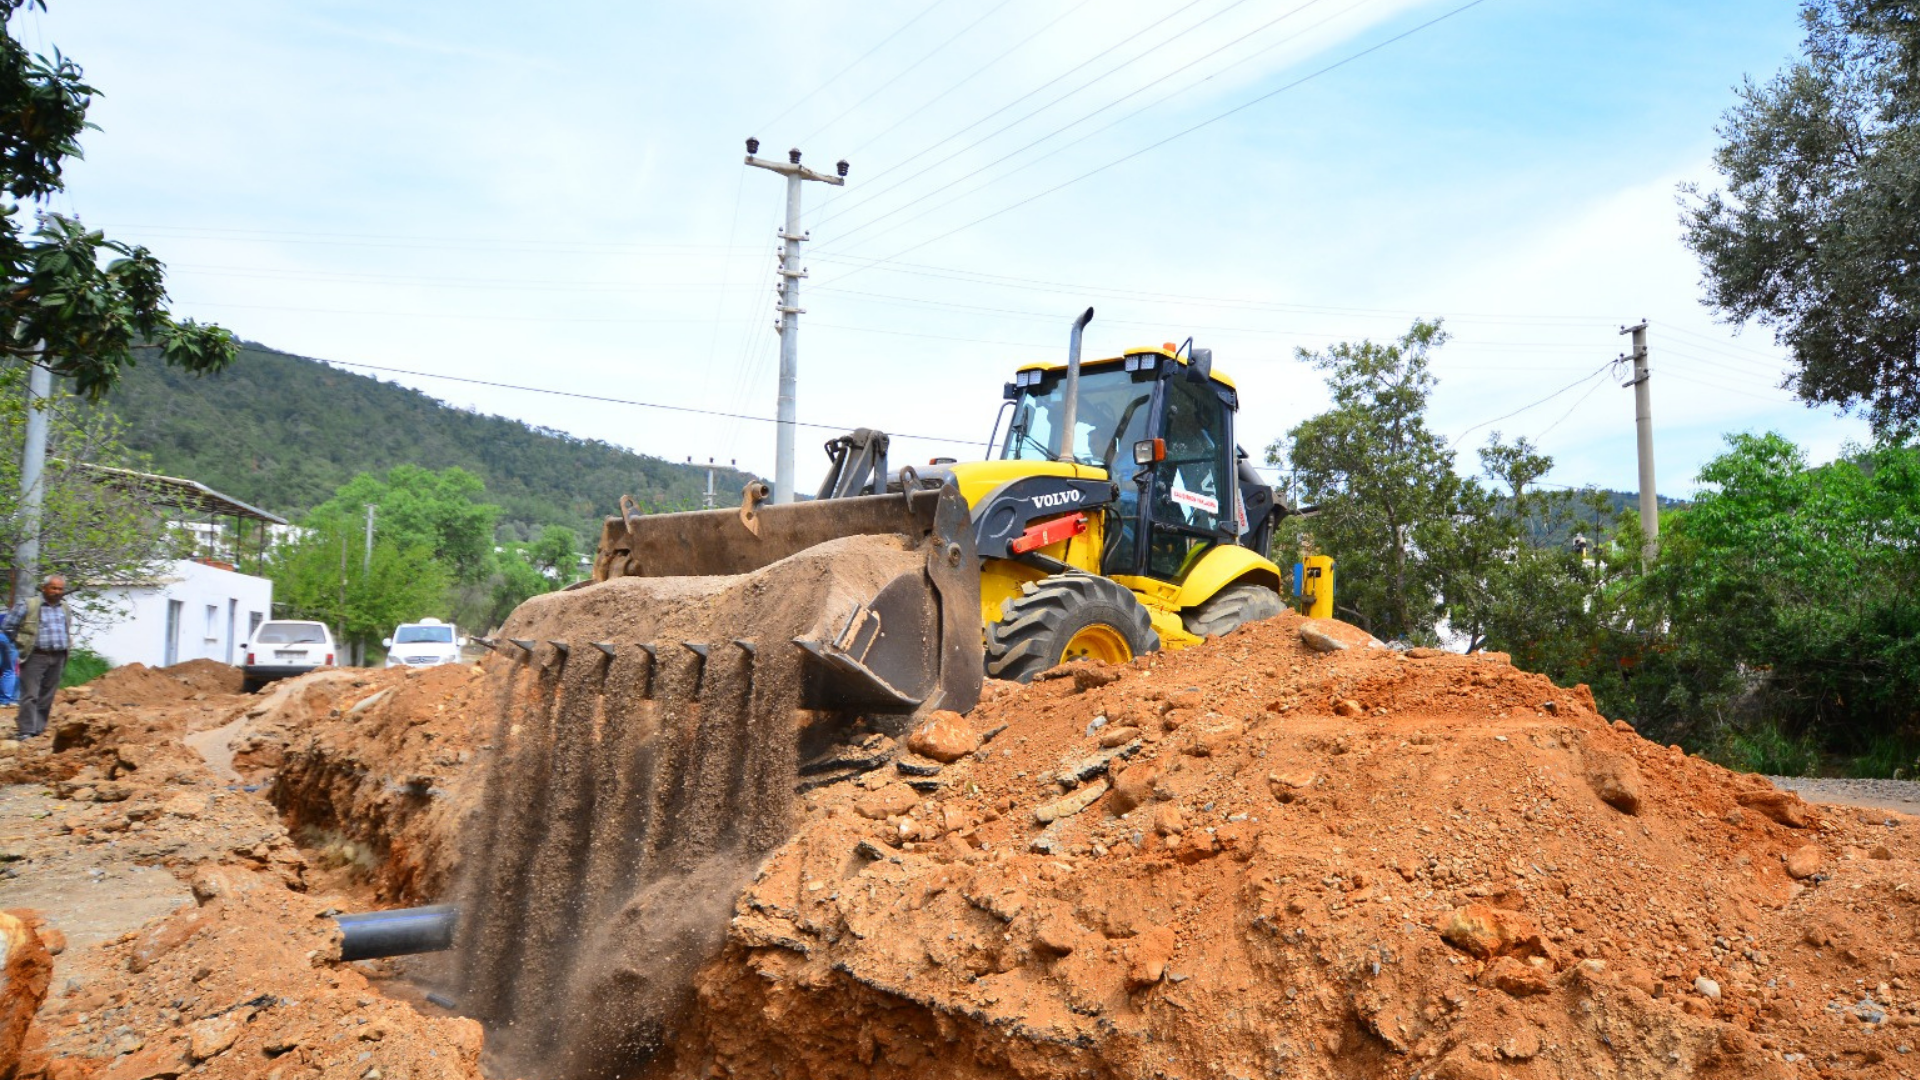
[{"x": 1246, "y": 859}]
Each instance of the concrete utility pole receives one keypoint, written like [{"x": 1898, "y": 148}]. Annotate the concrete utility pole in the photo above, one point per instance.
[
  {"x": 366, "y": 571},
  {"x": 790, "y": 311},
  {"x": 33, "y": 467},
  {"x": 1643, "y": 431}
]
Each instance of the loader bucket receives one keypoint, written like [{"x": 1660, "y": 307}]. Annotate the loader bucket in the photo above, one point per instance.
[
  {"x": 653, "y": 731},
  {"x": 884, "y": 604}
]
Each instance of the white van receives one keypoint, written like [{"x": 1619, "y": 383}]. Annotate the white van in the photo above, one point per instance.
[
  {"x": 423, "y": 644},
  {"x": 282, "y": 648}
]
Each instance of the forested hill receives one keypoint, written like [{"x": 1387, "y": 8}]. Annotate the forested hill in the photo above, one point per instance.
[{"x": 282, "y": 432}]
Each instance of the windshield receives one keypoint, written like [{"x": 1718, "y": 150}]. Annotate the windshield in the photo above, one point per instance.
[
  {"x": 1112, "y": 416},
  {"x": 291, "y": 633},
  {"x": 415, "y": 635}
]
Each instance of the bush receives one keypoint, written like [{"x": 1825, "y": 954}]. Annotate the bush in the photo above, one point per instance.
[
  {"x": 83, "y": 665},
  {"x": 1766, "y": 748}
]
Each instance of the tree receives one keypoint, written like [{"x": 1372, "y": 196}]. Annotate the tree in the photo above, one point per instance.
[
  {"x": 63, "y": 307},
  {"x": 1384, "y": 482},
  {"x": 440, "y": 511},
  {"x": 1818, "y": 233},
  {"x": 324, "y": 574},
  {"x": 1790, "y": 594},
  {"x": 93, "y": 528},
  {"x": 557, "y": 553},
  {"x": 521, "y": 571}
]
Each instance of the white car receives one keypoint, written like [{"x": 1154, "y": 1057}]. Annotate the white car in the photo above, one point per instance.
[
  {"x": 285, "y": 647},
  {"x": 423, "y": 644}
]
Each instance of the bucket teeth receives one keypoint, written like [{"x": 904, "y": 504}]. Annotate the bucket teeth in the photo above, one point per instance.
[
  {"x": 605, "y": 647},
  {"x": 700, "y": 666},
  {"x": 490, "y": 644},
  {"x": 746, "y": 646},
  {"x": 526, "y": 645},
  {"x": 561, "y": 647},
  {"x": 653, "y": 670}
]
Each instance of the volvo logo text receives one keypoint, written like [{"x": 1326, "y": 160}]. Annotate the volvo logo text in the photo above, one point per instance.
[{"x": 1058, "y": 498}]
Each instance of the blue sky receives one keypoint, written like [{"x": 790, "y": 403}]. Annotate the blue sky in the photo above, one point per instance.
[{"x": 555, "y": 198}]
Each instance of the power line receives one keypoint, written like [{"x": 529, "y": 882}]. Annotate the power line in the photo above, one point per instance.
[
  {"x": 1262, "y": 28},
  {"x": 1084, "y": 289},
  {"x": 1718, "y": 344},
  {"x": 870, "y": 195},
  {"x": 1581, "y": 381},
  {"x": 609, "y": 400},
  {"x": 1717, "y": 365},
  {"x": 912, "y": 269},
  {"x": 437, "y": 314},
  {"x": 831, "y": 79},
  {"x": 915, "y": 156},
  {"x": 1243, "y": 106},
  {"x": 976, "y": 73},
  {"x": 945, "y": 41},
  {"x": 1722, "y": 388},
  {"x": 1598, "y": 382},
  {"x": 337, "y": 239},
  {"x": 430, "y": 282},
  {"x": 1263, "y": 331},
  {"x": 726, "y": 280}
]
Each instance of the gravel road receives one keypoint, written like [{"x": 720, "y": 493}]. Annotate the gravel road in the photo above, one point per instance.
[{"x": 1900, "y": 796}]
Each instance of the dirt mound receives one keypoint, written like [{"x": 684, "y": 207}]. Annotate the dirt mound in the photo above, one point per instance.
[
  {"x": 206, "y": 676},
  {"x": 245, "y": 982},
  {"x": 1275, "y": 856},
  {"x": 136, "y": 685}
]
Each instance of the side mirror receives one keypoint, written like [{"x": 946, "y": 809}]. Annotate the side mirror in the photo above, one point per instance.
[
  {"x": 1148, "y": 451},
  {"x": 387, "y": 642},
  {"x": 1200, "y": 364}
]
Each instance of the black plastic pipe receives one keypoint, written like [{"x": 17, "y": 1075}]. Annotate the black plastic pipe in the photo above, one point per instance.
[{"x": 400, "y": 932}]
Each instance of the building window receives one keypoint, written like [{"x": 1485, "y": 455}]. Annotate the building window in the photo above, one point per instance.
[{"x": 175, "y": 611}]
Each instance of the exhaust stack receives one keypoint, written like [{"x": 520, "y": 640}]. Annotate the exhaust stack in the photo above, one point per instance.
[{"x": 1070, "y": 412}]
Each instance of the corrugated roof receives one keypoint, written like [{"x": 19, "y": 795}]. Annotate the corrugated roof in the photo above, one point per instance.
[{"x": 186, "y": 494}]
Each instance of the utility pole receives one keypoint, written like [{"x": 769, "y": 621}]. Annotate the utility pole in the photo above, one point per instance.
[
  {"x": 789, "y": 307},
  {"x": 709, "y": 483},
  {"x": 1643, "y": 432},
  {"x": 366, "y": 562},
  {"x": 366, "y": 572},
  {"x": 33, "y": 467}
]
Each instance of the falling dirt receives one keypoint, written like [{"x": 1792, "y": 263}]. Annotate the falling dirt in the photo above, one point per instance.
[{"x": 631, "y": 795}]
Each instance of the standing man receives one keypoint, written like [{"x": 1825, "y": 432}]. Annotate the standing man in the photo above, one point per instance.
[{"x": 38, "y": 624}]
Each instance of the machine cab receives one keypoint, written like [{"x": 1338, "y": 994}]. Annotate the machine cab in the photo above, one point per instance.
[{"x": 1161, "y": 427}]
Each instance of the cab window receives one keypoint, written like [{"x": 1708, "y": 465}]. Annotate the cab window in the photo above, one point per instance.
[{"x": 1193, "y": 486}]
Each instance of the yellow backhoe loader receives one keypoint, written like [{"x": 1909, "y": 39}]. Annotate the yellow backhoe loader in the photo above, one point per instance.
[
  {"x": 656, "y": 724},
  {"x": 1116, "y": 518}
]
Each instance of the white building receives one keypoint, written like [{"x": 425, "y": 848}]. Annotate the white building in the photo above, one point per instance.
[
  {"x": 192, "y": 610},
  {"x": 198, "y": 608}
]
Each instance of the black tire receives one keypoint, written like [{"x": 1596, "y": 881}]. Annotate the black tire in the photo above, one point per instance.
[
  {"x": 1231, "y": 608},
  {"x": 251, "y": 686},
  {"x": 1036, "y": 626}
]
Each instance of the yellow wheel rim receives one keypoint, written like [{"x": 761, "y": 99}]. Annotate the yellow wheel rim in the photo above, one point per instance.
[{"x": 1098, "y": 642}]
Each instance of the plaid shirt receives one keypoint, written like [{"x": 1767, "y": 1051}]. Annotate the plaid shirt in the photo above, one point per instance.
[{"x": 53, "y": 626}]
